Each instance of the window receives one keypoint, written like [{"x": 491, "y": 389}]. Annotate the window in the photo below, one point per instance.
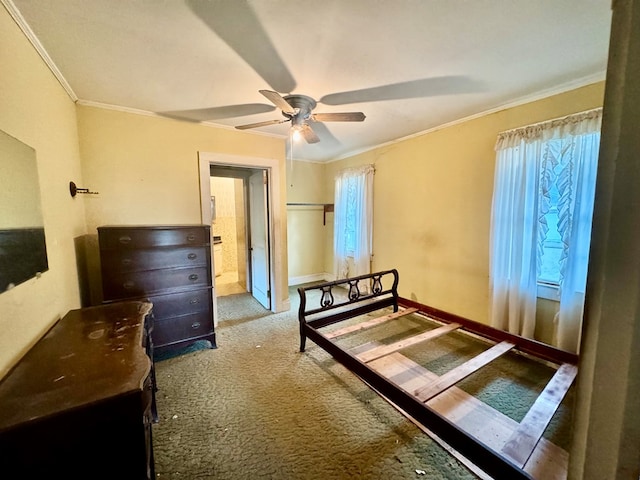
[
  {"x": 551, "y": 250},
  {"x": 353, "y": 221},
  {"x": 550, "y": 243},
  {"x": 351, "y": 217},
  {"x": 541, "y": 223}
]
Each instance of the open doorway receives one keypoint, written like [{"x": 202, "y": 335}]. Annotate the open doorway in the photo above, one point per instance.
[
  {"x": 262, "y": 244},
  {"x": 240, "y": 229},
  {"x": 229, "y": 231}
]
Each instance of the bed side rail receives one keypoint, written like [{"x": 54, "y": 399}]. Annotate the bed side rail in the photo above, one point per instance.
[{"x": 365, "y": 293}]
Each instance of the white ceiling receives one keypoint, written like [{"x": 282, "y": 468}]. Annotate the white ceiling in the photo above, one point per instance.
[{"x": 409, "y": 65}]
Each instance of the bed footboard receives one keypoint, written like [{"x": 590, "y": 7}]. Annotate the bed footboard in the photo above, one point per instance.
[{"x": 364, "y": 294}]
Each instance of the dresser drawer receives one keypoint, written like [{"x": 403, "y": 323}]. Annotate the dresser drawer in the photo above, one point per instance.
[
  {"x": 138, "y": 284},
  {"x": 177, "y": 329},
  {"x": 133, "y": 260},
  {"x": 173, "y": 304},
  {"x": 140, "y": 237}
]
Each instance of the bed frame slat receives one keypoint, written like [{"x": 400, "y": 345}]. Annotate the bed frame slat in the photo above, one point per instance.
[
  {"x": 524, "y": 440},
  {"x": 476, "y": 451},
  {"x": 462, "y": 371},
  {"x": 370, "y": 323},
  {"x": 383, "y": 350},
  {"x": 548, "y": 461}
]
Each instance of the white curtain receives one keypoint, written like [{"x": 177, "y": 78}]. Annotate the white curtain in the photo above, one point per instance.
[
  {"x": 525, "y": 168},
  {"x": 353, "y": 221},
  {"x": 577, "y": 194},
  {"x": 514, "y": 235}
]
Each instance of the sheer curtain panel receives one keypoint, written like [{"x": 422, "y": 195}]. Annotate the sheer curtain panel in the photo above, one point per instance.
[
  {"x": 555, "y": 159},
  {"x": 353, "y": 217}
]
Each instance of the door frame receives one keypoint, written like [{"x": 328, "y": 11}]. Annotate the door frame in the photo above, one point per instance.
[{"x": 276, "y": 216}]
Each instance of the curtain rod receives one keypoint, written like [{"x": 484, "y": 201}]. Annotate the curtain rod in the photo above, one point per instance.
[{"x": 595, "y": 111}]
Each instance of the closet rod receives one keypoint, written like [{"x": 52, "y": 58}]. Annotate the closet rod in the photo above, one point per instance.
[
  {"x": 305, "y": 204},
  {"x": 326, "y": 207}
]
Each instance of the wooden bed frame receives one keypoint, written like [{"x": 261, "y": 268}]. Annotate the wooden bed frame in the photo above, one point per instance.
[{"x": 511, "y": 450}]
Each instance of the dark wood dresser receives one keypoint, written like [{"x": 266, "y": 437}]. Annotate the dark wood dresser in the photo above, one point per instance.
[
  {"x": 168, "y": 265},
  {"x": 79, "y": 404}
]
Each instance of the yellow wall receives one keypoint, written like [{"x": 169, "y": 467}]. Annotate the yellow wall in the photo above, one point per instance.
[
  {"x": 36, "y": 110},
  {"x": 306, "y": 232},
  {"x": 146, "y": 167},
  {"x": 432, "y": 203}
]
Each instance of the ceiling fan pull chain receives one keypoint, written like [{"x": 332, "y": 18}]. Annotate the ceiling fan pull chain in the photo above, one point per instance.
[{"x": 291, "y": 157}]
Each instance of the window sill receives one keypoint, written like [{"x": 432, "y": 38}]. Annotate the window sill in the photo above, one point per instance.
[{"x": 549, "y": 292}]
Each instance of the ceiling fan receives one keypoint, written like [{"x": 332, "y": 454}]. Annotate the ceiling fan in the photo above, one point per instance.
[{"x": 298, "y": 109}]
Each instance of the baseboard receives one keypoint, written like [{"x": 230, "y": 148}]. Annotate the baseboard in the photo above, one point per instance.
[{"x": 316, "y": 277}]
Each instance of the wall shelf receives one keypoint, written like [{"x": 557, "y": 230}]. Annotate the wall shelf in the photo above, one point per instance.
[{"x": 326, "y": 208}]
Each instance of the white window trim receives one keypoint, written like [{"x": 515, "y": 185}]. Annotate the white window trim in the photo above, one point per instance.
[{"x": 548, "y": 291}]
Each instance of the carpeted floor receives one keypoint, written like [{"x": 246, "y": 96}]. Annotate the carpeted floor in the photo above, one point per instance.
[{"x": 257, "y": 408}]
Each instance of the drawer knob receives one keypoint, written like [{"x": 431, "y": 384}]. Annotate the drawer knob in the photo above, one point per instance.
[
  {"x": 191, "y": 237},
  {"x": 193, "y": 277},
  {"x": 129, "y": 284},
  {"x": 125, "y": 239},
  {"x": 192, "y": 256},
  {"x": 195, "y": 325},
  {"x": 126, "y": 262},
  {"x": 193, "y": 301}
]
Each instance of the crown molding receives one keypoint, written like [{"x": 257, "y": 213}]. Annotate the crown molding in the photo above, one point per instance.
[
  {"x": 565, "y": 87},
  {"x": 22, "y": 24},
  {"x": 148, "y": 113},
  {"x": 119, "y": 108}
]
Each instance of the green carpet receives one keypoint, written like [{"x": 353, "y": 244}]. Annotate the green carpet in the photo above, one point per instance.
[{"x": 257, "y": 408}]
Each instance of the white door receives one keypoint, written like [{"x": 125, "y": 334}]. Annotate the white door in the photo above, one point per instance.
[{"x": 259, "y": 238}]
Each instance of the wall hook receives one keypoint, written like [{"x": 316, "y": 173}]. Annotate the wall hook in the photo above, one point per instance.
[{"x": 73, "y": 190}]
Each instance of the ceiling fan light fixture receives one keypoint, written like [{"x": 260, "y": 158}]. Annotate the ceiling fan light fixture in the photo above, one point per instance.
[
  {"x": 298, "y": 109},
  {"x": 296, "y": 132}
]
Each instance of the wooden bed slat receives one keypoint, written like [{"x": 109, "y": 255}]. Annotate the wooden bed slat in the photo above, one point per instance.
[
  {"x": 548, "y": 461},
  {"x": 524, "y": 440},
  {"x": 383, "y": 350},
  {"x": 395, "y": 363},
  {"x": 462, "y": 371},
  {"x": 370, "y": 323}
]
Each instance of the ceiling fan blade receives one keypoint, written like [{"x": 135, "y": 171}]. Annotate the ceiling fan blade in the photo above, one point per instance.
[
  {"x": 260, "y": 124},
  {"x": 279, "y": 101},
  {"x": 217, "y": 113},
  {"x": 424, "y": 87},
  {"x": 326, "y": 137},
  {"x": 309, "y": 135},
  {"x": 339, "y": 117},
  {"x": 239, "y": 27}
]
